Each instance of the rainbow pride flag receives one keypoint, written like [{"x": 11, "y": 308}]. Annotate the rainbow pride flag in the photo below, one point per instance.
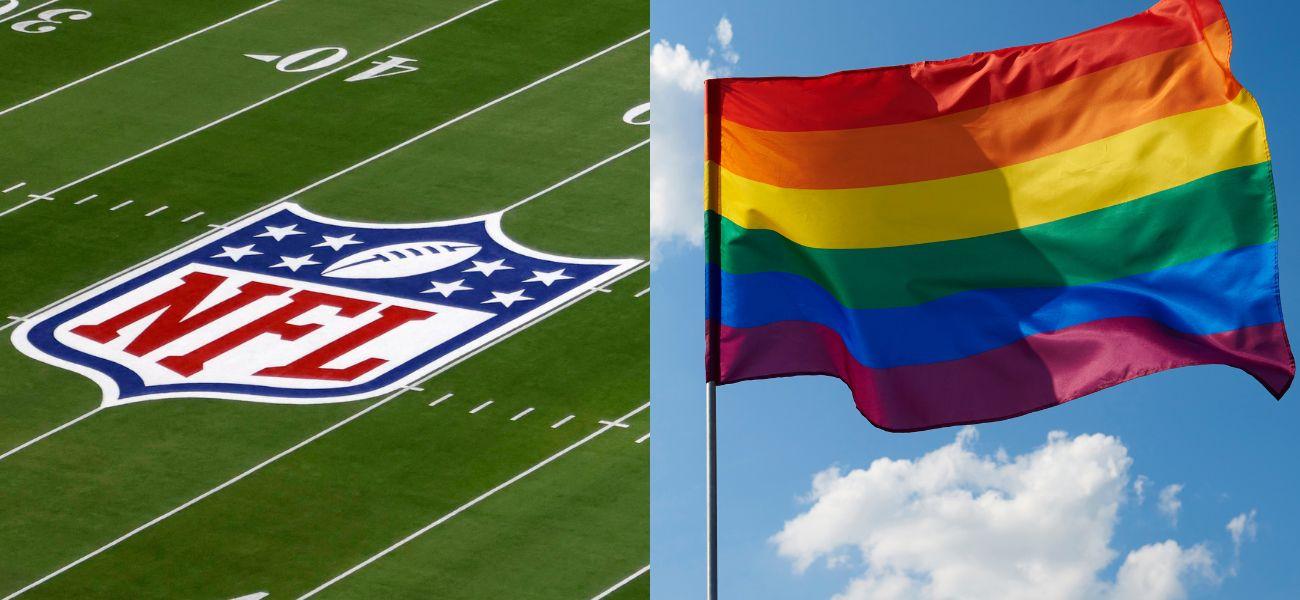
[{"x": 978, "y": 238}]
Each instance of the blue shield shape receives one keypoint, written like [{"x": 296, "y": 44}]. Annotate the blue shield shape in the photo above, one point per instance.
[{"x": 287, "y": 306}]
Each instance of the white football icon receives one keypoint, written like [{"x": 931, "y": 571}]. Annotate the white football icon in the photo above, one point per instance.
[{"x": 401, "y": 260}]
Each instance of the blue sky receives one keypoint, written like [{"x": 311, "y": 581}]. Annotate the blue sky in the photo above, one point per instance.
[{"x": 1211, "y": 430}]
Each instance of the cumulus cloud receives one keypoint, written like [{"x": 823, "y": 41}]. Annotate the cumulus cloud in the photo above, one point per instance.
[
  {"x": 677, "y": 138},
  {"x": 1168, "y": 502},
  {"x": 957, "y": 524}
]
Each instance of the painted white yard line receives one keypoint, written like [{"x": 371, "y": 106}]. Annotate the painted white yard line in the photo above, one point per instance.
[
  {"x": 128, "y": 202},
  {"x": 625, "y": 581},
  {"x": 439, "y": 400},
  {"x": 562, "y": 422},
  {"x": 135, "y": 58},
  {"x": 615, "y": 424},
  {"x": 641, "y": 293},
  {"x": 577, "y": 175},
  {"x": 354, "y": 416},
  {"x": 466, "y": 115},
  {"x": 522, "y": 414},
  {"x": 200, "y": 497},
  {"x": 217, "y": 228},
  {"x": 40, "y": 197},
  {"x": 13, "y": 187},
  {"x": 23, "y": 12},
  {"x": 468, "y": 505},
  {"x": 262, "y": 102},
  {"x": 480, "y": 407},
  {"x": 87, "y": 199},
  {"x": 49, "y": 433},
  {"x": 192, "y": 217},
  {"x": 155, "y": 211},
  {"x": 643, "y": 438}
]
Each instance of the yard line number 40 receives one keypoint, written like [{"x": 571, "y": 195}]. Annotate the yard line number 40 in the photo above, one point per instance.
[
  {"x": 44, "y": 21},
  {"x": 315, "y": 59}
]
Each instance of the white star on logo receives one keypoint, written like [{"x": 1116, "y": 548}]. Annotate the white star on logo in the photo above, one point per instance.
[
  {"x": 547, "y": 278},
  {"x": 507, "y": 299},
  {"x": 295, "y": 263},
  {"x": 447, "y": 289},
  {"x": 279, "y": 233},
  {"x": 488, "y": 268},
  {"x": 337, "y": 243},
  {"x": 234, "y": 254}
]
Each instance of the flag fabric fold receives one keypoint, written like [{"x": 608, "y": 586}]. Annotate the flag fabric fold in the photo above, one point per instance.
[{"x": 978, "y": 238}]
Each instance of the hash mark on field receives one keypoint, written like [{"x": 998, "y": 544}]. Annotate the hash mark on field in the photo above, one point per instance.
[
  {"x": 521, "y": 414},
  {"x": 155, "y": 211},
  {"x": 471, "y": 504},
  {"x": 439, "y": 400},
  {"x": 192, "y": 217},
  {"x": 643, "y": 438},
  {"x": 480, "y": 407},
  {"x": 87, "y": 199},
  {"x": 45, "y": 197},
  {"x": 13, "y": 187},
  {"x": 614, "y": 424},
  {"x": 561, "y": 422},
  {"x": 273, "y": 97},
  {"x": 120, "y": 205},
  {"x": 603, "y": 290},
  {"x": 641, "y": 293},
  {"x": 411, "y": 388}
]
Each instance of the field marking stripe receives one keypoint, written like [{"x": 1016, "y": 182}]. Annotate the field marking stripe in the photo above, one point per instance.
[
  {"x": 13, "y": 187},
  {"x": 643, "y": 438},
  {"x": 134, "y": 58},
  {"x": 468, "y": 505},
  {"x": 49, "y": 433},
  {"x": 228, "y": 483},
  {"x": 155, "y": 211},
  {"x": 522, "y": 414},
  {"x": 562, "y": 422},
  {"x": 264, "y": 101},
  {"x": 192, "y": 217},
  {"x": 480, "y": 407},
  {"x": 641, "y": 293},
  {"x": 200, "y": 497},
  {"x": 466, "y": 115},
  {"x": 620, "y": 584},
  {"x": 577, "y": 175},
  {"x": 439, "y": 400},
  {"x": 217, "y": 232},
  {"x": 121, "y": 205},
  {"x": 23, "y": 12}
]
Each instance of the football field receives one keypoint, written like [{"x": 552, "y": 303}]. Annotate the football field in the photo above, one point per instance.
[{"x": 129, "y": 128}]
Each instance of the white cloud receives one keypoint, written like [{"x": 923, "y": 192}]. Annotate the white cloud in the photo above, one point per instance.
[
  {"x": 1162, "y": 571},
  {"x": 723, "y": 35},
  {"x": 1243, "y": 529},
  {"x": 1140, "y": 488},
  {"x": 677, "y": 137},
  {"x": 676, "y": 145},
  {"x": 956, "y": 524},
  {"x": 723, "y": 31},
  {"x": 1168, "y": 502}
]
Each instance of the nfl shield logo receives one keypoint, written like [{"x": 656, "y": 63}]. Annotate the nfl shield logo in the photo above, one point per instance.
[{"x": 286, "y": 306}]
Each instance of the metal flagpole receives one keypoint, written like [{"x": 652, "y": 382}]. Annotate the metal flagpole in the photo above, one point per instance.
[{"x": 711, "y": 473}]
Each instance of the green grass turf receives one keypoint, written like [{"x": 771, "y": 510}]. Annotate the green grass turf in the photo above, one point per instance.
[
  {"x": 328, "y": 506},
  {"x": 116, "y": 32}
]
